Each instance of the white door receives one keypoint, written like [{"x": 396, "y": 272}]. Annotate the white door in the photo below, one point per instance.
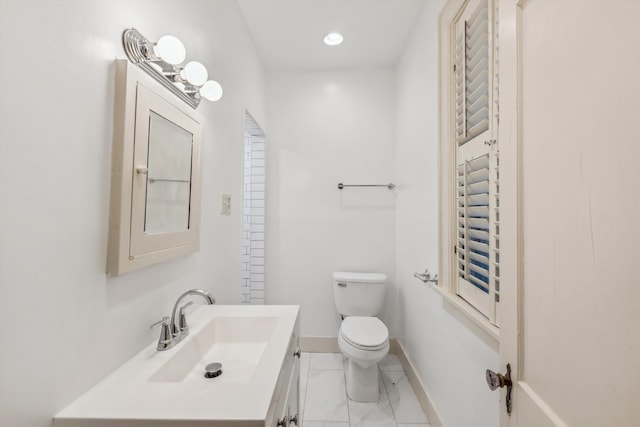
[{"x": 570, "y": 193}]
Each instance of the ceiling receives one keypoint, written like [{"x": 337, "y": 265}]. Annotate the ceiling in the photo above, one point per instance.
[{"x": 288, "y": 33}]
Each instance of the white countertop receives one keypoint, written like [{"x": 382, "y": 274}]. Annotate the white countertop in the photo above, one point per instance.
[{"x": 127, "y": 398}]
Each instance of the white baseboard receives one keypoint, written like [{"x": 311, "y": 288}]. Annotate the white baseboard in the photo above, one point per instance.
[
  {"x": 418, "y": 386},
  {"x": 330, "y": 345},
  {"x": 319, "y": 344}
]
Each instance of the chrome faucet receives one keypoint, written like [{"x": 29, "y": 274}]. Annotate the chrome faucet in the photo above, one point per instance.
[{"x": 172, "y": 333}]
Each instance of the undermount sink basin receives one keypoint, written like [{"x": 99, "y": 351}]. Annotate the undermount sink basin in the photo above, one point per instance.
[
  {"x": 169, "y": 387},
  {"x": 238, "y": 343}
]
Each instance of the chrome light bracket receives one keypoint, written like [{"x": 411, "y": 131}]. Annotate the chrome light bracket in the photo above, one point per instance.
[{"x": 139, "y": 50}]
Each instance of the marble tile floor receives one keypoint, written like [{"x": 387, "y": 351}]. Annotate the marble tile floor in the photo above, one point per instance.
[{"x": 324, "y": 402}]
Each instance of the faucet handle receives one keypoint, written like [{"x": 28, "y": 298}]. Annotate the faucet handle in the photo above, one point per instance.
[
  {"x": 164, "y": 322},
  {"x": 166, "y": 338},
  {"x": 182, "y": 318}
]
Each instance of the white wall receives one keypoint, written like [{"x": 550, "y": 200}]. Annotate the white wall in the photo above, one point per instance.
[
  {"x": 450, "y": 357},
  {"x": 326, "y": 128},
  {"x": 64, "y": 323}
]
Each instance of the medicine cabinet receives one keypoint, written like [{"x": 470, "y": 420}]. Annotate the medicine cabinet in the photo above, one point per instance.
[{"x": 154, "y": 212}]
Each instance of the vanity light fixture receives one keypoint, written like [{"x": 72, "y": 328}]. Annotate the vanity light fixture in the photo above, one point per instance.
[
  {"x": 162, "y": 61},
  {"x": 333, "y": 39}
]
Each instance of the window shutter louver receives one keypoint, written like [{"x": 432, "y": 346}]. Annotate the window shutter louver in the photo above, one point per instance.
[
  {"x": 460, "y": 115},
  {"x": 473, "y": 221}
]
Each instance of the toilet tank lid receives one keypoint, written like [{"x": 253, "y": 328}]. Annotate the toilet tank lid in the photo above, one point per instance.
[{"x": 346, "y": 276}]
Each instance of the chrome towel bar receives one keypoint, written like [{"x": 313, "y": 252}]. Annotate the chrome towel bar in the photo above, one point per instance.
[{"x": 390, "y": 186}]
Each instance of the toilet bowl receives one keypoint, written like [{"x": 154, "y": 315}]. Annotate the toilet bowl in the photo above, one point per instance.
[
  {"x": 362, "y": 338},
  {"x": 365, "y": 342}
]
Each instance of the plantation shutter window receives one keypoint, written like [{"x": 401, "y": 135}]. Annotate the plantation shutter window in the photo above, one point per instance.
[
  {"x": 472, "y": 73},
  {"x": 477, "y": 169}
]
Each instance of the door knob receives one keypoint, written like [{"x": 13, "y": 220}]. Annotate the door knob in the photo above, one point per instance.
[{"x": 495, "y": 381}]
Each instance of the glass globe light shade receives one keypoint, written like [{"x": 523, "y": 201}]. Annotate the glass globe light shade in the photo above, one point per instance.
[
  {"x": 170, "y": 50},
  {"x": 195, "y": 73},
  {"x": 333, "y": 39},
  {"x": 211, "y": 91}
]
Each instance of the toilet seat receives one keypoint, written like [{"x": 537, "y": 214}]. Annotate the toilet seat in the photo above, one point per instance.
[{"x": 364, "y": 333}]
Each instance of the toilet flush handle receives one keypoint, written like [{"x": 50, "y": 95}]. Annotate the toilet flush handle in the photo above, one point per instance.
[{"x": 342, "y": 284}]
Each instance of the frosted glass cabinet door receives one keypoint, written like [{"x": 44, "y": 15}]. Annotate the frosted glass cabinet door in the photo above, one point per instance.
[
  {"x": 169, "y": 176},
  {"x": 154, "y": 213}
]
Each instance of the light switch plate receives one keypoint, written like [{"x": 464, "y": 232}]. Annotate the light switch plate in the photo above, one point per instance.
[{"x": 226, "y": 204}]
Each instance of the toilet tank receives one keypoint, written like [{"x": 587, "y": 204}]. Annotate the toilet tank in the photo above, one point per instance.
[{"x": 358, "y": 294}]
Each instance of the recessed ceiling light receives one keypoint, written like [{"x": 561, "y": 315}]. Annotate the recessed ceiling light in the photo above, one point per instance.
[{"x": 333, "y": 39}]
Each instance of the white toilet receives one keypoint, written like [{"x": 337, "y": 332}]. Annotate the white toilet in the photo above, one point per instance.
[{"x": 362, "y": 338}]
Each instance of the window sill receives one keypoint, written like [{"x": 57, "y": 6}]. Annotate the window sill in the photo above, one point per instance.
[{"x": 470, "y": 317}]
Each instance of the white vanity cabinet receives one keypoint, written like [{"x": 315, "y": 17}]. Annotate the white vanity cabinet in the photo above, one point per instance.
[
  {"x": 286, "y": 399},
  {"x": 257, "y": 347},
  {"x": 290, "y": 412}
]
